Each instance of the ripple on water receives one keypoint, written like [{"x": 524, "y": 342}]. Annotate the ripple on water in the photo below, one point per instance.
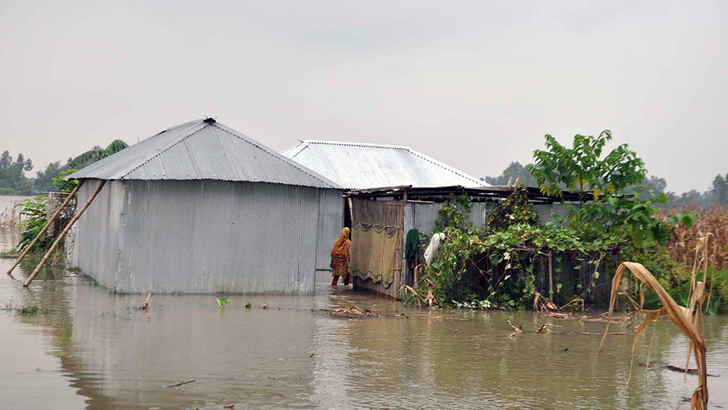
[{"x": 94, "y": 346}]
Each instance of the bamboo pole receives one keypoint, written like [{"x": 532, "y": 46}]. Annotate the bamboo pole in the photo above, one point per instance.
[
  {"x": 45, "y": 228},
  {"x": 351, "y": 211},
  {"x": 145, "y": 305},
  {"x": 65, "y": 230},
  {"x": 551, "y": 278}
]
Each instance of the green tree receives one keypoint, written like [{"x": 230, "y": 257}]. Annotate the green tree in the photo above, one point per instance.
[
  {"x": 44, "y": 179},
  {"x": 601, "y": 182},
  {"x": 12, "y": 174},
  {"x": 719, "y": 190},
  {"x": 582, "y": 168},
  {"x": 655, "y": 184},
  {"x": 514, "y": 171},
  {"x": 95, "y": 154}
]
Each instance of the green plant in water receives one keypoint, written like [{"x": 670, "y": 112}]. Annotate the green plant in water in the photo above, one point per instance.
[
  {"x": 30, "y": 309},
  {"x": 222, "y": 302},
  {"x": 34, "y": 212}
]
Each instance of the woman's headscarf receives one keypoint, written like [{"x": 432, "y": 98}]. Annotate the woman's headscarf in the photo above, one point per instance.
[{"x": 342, "y": 244}]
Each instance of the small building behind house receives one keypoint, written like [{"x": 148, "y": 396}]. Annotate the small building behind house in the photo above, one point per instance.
[
  {"x": 377, "y": 222},
  {"x": 392, "y": 190},
  {"x": 202, "y": 208},
  {"x": 355, "y": 165},
  {"x": 378, "y": 213}
]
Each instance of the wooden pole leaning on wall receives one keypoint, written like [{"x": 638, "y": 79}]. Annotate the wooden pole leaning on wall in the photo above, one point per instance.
[
  {"x": 63, "y": 233},
  {"x": 351, "y": 211},
  {"x": 45, "y": 228}
]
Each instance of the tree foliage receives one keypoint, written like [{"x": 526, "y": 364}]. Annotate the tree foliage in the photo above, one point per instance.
[
  {"x": 582, "y": 168},
  {"x": 494, "y": 265},
  {"x": 44, "y": 179},
  {"x": 514, "y": 172},
  {"x": 607, "y": 184},
  {"x": 12, "y": 173}
]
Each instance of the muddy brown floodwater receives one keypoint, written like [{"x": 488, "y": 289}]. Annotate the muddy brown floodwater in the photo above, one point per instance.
[{"x": 97, "y": 350}]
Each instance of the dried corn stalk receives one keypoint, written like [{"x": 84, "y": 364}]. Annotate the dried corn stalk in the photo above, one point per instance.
[{"x": 689, "y": 320}]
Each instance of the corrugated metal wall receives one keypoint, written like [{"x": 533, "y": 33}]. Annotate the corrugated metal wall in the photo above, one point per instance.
[
  {"x": 331, "y": 220},
  {"x": 204, "y": 237},
  {"x": 545, "y": 211},
  {"x": 98, "y": 234},
  {"x": 423, "y": 216}
]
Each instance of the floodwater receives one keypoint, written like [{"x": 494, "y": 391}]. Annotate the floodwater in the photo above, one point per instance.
[{"x": 97, "y": 350}]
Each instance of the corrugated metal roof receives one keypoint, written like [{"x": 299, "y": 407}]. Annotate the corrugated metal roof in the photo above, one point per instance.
[
  {"x": 362, "y": 166},
  {"x": 202, "y": 149}
]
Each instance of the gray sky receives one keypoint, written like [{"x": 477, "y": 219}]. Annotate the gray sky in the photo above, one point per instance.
[{"x": 474, "y": 84}]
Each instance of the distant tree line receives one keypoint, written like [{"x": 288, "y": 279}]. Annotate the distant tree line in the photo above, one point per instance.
[
  {"x": 12, "y": 174},
  {"x": 13, "y": 180},
  {"x": 717, "y": 194}
]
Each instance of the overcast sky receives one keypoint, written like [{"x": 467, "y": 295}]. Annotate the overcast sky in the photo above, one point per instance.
[{"x": 473, "y": 84}]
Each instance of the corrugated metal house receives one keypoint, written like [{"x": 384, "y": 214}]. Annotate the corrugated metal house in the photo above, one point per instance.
[
  {"x": 202, "y": 208},
  {"x": 362, "y": 166}
]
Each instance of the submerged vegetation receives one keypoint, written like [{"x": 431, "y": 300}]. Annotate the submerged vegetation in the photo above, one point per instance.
[
  {"x": 222, "y": 302},
  {"x": 29, "y": 309}
]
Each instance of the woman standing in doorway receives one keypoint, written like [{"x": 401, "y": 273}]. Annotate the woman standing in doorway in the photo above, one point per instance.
[{"x": 340, "y": 258}]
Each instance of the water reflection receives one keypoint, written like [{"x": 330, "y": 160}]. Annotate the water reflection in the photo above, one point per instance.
[{"x": 100, "y": 348}]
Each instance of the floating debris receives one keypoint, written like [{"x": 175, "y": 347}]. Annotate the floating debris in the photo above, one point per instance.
[
  {"x": 355, "y": 312},
  {"x": 180, "y": 384},
  {"x": 351, "y": 313},
  {"x": 678, "y": 369},
  {"x": 516, "y": 329}
]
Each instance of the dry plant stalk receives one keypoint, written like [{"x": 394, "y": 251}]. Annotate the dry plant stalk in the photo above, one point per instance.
[
  {"x": 703, "y": 259},
  {"x": 684, "y": 240},
  {"x": 689, "y": 320}
]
